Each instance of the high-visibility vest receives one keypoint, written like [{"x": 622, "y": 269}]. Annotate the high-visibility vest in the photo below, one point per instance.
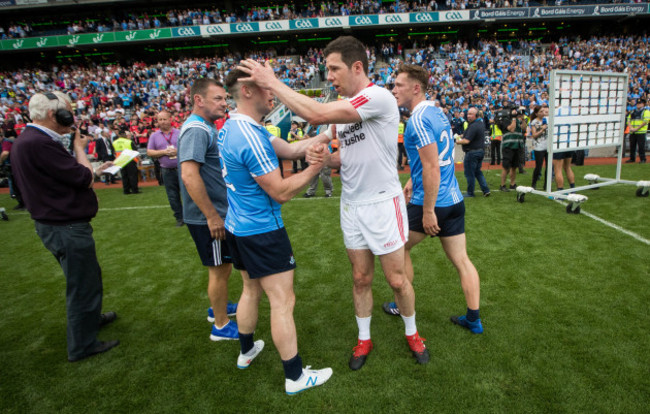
[
  {"x": 273, "y": 130},
  {"x": 400, "y": 133},
  {"x": 495, "y": 133},
  {"x": 121, "y": 144},
  {"x": 635, "y": 122},
  {"x": 299, "y": 133}
]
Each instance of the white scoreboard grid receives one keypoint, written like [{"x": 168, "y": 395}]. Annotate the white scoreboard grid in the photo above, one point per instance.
[{"x": 586, "y": 110}]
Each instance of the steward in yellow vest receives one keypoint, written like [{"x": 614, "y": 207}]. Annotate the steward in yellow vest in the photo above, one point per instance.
[
  {"x": 638, "y": 121},
  {"x": 130, "y": 171},
  {"x": 495, "y": 144},
  {"x": 276, "y": 132},
  {"x": 121, "y": 144}
]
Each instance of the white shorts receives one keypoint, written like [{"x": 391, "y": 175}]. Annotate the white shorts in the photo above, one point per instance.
[{"x": 382, "y": 227}]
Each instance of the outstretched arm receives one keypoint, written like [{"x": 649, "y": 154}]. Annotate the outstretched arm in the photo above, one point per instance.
[
  {"x": 284, "y": 189},
  {"x": 316, "y": 113},
  {"x": 297, "y": 150}
]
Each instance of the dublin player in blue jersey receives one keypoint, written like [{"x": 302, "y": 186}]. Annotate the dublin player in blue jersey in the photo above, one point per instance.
[
  {"x": 436, "y": 205},
  {"x": 255, "y": 233}
]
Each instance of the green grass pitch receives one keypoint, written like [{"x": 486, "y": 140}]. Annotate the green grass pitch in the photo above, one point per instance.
[{"x": 564, "y": 301}]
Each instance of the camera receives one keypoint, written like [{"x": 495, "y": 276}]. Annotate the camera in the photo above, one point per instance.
[{"x": 503, "y": 118}]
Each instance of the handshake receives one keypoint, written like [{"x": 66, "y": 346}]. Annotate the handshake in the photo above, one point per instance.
[{"x": 317, "y": 155}]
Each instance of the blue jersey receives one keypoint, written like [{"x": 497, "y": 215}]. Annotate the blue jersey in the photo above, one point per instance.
[
  {"x": 428, "y": 125},
  {"x": 246, "y": 152}
]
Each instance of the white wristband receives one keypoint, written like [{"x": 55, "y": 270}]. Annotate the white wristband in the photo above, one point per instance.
[{"x": 328, "y": 132}]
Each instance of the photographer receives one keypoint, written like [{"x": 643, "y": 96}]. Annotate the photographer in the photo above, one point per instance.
[
  {"x": 57, "y": 190},
  {"x": 473, "y": 142},
  {"x": 513, "y": 141}
]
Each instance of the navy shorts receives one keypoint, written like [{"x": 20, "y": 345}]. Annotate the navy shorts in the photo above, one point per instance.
[
  {"x": 451, "y": 220},
  {"x": 563, "y": 155},
  {"x": 262, "y": 254},
  {"x": 211, "y": 251}
]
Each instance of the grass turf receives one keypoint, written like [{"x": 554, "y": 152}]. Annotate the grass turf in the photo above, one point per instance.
[{"x": 564, "y": 301}]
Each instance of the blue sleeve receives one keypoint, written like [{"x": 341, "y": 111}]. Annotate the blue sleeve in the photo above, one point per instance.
[
  {"x": 259, "y": 155},
  {"x": 422, "y": 129}
]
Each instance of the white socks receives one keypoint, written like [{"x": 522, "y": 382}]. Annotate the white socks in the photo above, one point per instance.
[
  {"x": 364, "y": 327},
  {"x": 409, "y": 325}
]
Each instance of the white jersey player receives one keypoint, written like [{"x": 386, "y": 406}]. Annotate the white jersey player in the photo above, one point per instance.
[{"x": 373, "y": 212}]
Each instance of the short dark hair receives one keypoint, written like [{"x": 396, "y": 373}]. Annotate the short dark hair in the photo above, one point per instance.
[
  {"x": 351, "y": 50},
  {"x": 233, "y": 77},
  {"x": 415, "y": 72},
  {"x": 200, "y": 86}
]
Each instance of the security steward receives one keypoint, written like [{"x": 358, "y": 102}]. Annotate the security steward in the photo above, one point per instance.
[{"x": 638, "y": 122}]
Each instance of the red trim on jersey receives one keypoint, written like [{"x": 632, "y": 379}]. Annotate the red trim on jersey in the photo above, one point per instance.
[
  {"x": 358, "y": 101},
  {"x": 400, "y": 222}
]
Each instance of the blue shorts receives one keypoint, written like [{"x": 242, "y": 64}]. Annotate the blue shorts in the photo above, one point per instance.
[
  {"x": 451, "y": 220},
  {"x": 563, "y": 155},
  {"x": 262, "y": 254},
  {"x": 211, "y": 251}
]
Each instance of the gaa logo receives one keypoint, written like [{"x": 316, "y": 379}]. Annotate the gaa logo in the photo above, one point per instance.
[
  {"x": 453, "y": 16},
  {"x": 423, "y": 17},
  {"x": 186, "y": 31},
  {"x": 362, "y": 20},
  {"x": 214, "y": 29},
  {"x": 303, "y": 24},
  {"x": 393, "y": 19},
  {"x": 244, "y": 27},
  {"x": 273, "y": 26},
  {"x": 333, "y": 22}
]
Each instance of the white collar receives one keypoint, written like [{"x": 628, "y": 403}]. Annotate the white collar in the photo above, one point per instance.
[
  {"x": 422, "y": 105},
  {"x": 54, "y": 135},
  {"x": 245, "y": 118}
]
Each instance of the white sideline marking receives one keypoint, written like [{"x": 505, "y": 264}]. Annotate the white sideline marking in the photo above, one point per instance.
[
  {"x": 132, "y": 208},
  {"x": 612, "y": 225},
  {"x": 20, "y": 213}
]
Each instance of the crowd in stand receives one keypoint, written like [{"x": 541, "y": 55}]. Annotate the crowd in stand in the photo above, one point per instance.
[
  {"x": 488, "y": 76},
  {"x": 131, "y": 20},
  {"x": 103, "y": 95}
]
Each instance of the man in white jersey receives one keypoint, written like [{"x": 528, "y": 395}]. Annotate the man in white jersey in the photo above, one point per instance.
[
  {"x": 373, "y": 211},
  {"x": 255, "y": 232},
  {"x": 436, "y": 206}
]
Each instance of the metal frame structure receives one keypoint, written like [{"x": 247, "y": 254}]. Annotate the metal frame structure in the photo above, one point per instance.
[{"x": 586, "y": 110}]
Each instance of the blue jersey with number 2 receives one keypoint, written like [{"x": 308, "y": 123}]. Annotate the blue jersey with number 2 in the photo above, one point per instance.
[{"x": 429, "y": 125}]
